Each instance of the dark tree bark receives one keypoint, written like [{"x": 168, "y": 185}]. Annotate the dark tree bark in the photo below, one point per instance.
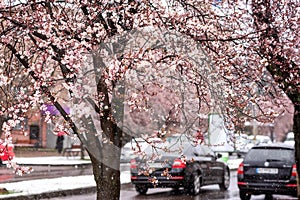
[
  {"x": 107, "y": 178},
  {"x": 296, "y": 130},
  {"x": 2, "y": 120}
]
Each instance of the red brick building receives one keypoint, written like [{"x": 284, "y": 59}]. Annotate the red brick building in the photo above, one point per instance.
[{"x": 32, "y": 131}]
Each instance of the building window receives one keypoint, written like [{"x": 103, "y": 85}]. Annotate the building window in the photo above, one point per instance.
[{"x": 23, "y": 125}]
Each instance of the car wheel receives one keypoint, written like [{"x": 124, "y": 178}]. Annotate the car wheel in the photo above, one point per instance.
[
  {"x": 244, "y": 195},
  {"x": 295, "y": 194},
  {"x": 195, "y": 184},
  {"x": 175, "y": 188},
  {"x": 141, "y": 189},
  {"x": 225, "y": 181},
  {"x": 268, "y": 197}
]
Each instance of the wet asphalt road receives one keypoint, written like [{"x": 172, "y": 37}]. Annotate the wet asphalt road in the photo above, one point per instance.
[{"x": 207, "y": 193}]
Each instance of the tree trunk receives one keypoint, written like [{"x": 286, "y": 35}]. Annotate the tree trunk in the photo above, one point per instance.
[
  {"x": 107, "y": 177},
  {"x": 296, "y": 130},
  {"x": 2, "y": 120}
]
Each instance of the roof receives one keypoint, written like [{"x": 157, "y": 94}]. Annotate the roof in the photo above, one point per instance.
[{"x": 274, "y": 145}]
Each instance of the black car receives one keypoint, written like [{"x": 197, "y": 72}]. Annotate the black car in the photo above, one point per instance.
[
  {"x": 268, "y": 169},
  {"x": 191, "y": 167}
]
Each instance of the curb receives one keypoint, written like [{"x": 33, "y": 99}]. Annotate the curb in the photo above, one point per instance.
[
  {"x": 47, "y": 195},
  {"x": 54, "y": 165},
  {"x": 63, "y": 193}
]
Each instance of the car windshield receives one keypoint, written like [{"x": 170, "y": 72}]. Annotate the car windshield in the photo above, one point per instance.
[
  {"x": 164, "y": 149},
  {"x": 179, "y": 148},
  {"x": 289, "y": 139},
  {"x": 261, "y": 154}
]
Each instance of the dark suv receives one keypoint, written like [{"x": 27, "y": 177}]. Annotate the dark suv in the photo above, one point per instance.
[{"x": 268, "y": 169}]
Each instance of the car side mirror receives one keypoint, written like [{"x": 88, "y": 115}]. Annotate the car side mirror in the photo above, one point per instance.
[
  {"x": 241, "y": 155},
  {"x": 219, "y": 155}
]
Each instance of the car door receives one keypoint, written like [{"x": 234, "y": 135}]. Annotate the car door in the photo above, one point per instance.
[
  {"x": 215, "y": 168},
  {"x": 204, "y": 164}
]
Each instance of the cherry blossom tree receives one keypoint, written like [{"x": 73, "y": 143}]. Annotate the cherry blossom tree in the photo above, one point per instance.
[
  {"x": 13, "y": 85},
  {"x": 105, "y": 60}
]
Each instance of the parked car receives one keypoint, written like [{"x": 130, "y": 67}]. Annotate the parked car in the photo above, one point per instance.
[
  {"x": 138, "y": 145},
  {"x": 290, "y": 139},
  {"x": 129, "y": 149},
  {"x": 191, "y": 168},
  {"x": 6, "y": 152},
  {"x": 257, "y": 140},
  {"x": 268, "y": 169}
]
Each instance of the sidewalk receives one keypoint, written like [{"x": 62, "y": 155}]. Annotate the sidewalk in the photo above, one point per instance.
[
  {"x": 46, "y": 188},
  {"x": 52, "y": 160}
]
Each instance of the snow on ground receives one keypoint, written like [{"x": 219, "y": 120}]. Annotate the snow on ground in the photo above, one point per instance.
[
  {"x": 39, "y": 186},
  {"x": 51, "y": 160},
  {"x": 234, "y": 163},
  {"x": 24, "y": 188},
  {"x": 31, "y": 187}
]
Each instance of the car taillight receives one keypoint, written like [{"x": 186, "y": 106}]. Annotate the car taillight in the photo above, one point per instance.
[
  {"x": 294, "y": 171},
  {"x": 241, "y": 169},
  {"x": 178, "y": 163},
  {"x": 133, "y": 164}
]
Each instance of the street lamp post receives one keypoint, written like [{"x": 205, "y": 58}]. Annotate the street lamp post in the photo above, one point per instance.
[{"x": 271, "y": 128}]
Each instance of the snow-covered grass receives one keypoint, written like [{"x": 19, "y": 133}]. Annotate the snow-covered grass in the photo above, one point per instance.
[
  {"x": 24, "y": 188},
  {"x": 32, "y": 187},
  {"x": 51, "y": 160}
]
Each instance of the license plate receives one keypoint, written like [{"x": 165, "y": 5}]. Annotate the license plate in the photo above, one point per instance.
[{"x": 267, "y": 170}]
